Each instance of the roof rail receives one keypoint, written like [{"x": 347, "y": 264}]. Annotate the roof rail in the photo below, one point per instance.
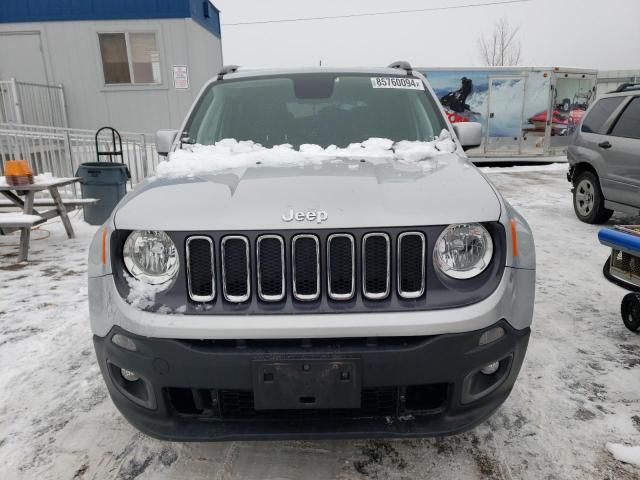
[
  {"x": 627, "y": 86},
  {"x": 402, "y": 65},
  {"x": 226, "y": 69}
]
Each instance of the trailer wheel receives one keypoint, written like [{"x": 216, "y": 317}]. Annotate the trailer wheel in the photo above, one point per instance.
[{"x": 630, "y": 311}]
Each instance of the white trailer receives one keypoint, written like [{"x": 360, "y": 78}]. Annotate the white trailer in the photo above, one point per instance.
[{"x": 527, "y": 113}]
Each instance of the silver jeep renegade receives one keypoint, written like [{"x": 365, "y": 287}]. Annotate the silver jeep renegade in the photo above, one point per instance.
[{"x": 354, "y": 297}]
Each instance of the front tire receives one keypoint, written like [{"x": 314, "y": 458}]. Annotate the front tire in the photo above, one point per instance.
[
  {"x": 588, "y": 201},
  {"x": 630, "y": 311}
]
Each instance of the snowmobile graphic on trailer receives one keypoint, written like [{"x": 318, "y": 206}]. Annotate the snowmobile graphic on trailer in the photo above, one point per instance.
[
  {"x": 455, "y": 106},
  {"x": 565, "y": 115}
]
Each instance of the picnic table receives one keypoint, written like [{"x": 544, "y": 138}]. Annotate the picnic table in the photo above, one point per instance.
[{"x": 29, "y": 216}]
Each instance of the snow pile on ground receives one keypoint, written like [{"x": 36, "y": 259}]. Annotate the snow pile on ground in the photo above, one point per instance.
[
  {"x": 526, "y": 168},
  {"x": 232, "y": 154},
  {"x": 625, "y": 453}
]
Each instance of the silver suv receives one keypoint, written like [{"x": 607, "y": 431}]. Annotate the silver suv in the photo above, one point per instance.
[
  {"x": 604, "y": 157},
  {"x": 317, "y": 258}
]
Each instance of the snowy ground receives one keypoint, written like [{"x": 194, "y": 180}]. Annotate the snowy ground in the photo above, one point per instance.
[{"x": 578, "y": 390}]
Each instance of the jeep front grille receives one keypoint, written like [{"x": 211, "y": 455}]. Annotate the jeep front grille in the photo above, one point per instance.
[{"x": 307, "y": 267}]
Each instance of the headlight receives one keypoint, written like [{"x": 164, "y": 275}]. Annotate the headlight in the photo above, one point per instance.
[
  {"x": 463, "y": 250},
  {"x": 150, "y": 256}
]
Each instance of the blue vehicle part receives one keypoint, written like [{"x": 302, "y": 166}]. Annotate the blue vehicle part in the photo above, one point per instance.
[{"x": 619, "y": 240}]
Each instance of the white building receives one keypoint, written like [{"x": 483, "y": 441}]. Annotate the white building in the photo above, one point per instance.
[{"x": 135, "y": 65}]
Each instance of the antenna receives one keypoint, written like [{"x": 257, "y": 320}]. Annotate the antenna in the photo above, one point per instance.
[
  {"x": 226, "y": 70},
  {"x": 402, "y": 65}
]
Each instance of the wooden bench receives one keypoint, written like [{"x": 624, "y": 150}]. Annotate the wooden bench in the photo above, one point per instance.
[
  {"x": 27, "y": 204},
  {"x": 24, "y": 222}
]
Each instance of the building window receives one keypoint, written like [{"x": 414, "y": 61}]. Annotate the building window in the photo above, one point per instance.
[{"x": 130, "y": 58}]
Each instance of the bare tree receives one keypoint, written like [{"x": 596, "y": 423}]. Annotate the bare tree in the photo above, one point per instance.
[{"x": 502, "y": 46}]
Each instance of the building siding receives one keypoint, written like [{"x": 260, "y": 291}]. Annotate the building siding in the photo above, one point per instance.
[{"x": 72, "y": 57}]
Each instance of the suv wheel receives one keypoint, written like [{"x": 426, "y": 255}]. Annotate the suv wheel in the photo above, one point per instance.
[{"x": 588, "y": 202}]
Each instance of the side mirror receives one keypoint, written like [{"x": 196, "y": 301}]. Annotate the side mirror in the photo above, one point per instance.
[
  {"x": 469, "y": 134},
  {"x": 164, "y": 141}
]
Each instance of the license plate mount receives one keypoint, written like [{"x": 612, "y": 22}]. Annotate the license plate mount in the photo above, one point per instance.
[{"x": 306, "y": 384}]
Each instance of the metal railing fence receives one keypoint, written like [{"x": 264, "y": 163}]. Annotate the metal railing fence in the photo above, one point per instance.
[
  {"x": 32, "y": 103},
  {"x": 61, "y": 150}
]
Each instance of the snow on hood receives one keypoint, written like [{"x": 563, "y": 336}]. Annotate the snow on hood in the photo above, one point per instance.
[
  {"x": 232, "y": 154},
  {"x": 397, "y": 188}
]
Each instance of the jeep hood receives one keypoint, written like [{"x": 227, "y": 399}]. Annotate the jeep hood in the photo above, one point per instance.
[{"x": 353, "y": 193}]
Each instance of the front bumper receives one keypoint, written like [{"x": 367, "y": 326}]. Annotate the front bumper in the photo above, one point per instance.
[{"x": 409, "y": 386}]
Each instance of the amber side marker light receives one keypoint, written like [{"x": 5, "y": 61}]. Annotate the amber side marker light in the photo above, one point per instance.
[
  {"x": 104, "y": 246},
  {"x": 514, "y": 239}
]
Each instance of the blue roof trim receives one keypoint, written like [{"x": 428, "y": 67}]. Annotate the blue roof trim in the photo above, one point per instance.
[
  {"x": 20, "y": 11},
  {"x": 206, "y": 14}
]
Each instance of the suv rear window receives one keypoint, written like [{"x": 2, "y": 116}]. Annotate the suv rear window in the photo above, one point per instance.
[
  {"x": 320, "y": 108},
  {"x": 600, "y": 113},
  {"x": 628, "y": 124}
]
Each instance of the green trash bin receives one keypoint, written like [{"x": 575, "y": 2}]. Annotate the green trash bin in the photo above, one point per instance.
[{"x": 105, "y": 181}]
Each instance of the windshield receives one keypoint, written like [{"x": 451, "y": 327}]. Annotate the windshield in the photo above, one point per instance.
[{"x": 322, "y": 109}]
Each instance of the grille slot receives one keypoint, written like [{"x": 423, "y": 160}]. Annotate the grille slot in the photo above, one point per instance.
[
  {"x": 200, "y": 269},
  {"x": 236, "y": 284},
  {"x": 376, "y": 262},
  {"x": 305, "y": 251},
  {"x": 270, "y": 255},
  {"x": 341, "y": 268},
  {"x": 411, "y": 264}
]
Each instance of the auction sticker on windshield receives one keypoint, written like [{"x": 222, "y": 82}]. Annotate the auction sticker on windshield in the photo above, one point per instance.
[{"x": 395, "y": 82}]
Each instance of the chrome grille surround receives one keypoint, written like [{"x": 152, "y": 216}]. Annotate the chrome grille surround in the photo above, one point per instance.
[
  {"x": 297, "y": 295},
  {"x": 261, "y": 294},
  {"x": 193, "y": 296},
  {"x": 376, "y": 295},
  {"x": 411, "y": 294},
  {"x": 351, "y": 293},
  {"x": 230, "y": 297}
]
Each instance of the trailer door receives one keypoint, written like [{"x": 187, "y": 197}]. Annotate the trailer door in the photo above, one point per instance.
[
  {"x": 505, "y": 110},
  {"x": 571, "y": 96}
]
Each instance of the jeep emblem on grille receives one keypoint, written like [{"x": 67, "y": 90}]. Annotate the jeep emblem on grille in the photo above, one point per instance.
[{"x": 317, "y": 216}]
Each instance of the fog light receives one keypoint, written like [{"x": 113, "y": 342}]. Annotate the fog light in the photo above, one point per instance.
[
  {"x": 128, "y": 375},
  {"x": 491, "y": 335},
  {"x": 491, "y": 368},
  {"x": 124, "y": 342}
]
